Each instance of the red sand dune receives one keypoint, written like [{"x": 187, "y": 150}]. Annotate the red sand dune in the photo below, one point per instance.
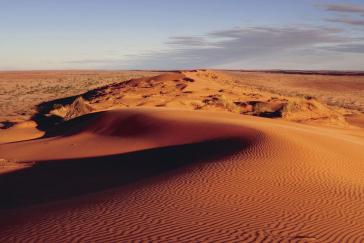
[{"x": 168, "y": 175}]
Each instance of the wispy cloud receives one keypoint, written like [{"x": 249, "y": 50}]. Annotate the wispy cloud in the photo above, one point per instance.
[
  {"x": 350, "y": 21},
  {"x": 353, "y": 47},
  {"x": 344, "y": 8},
  {"x": 234, "y": 45},
  {"x": 188, "y": 40},
  {"x": 350, "y": 10}
]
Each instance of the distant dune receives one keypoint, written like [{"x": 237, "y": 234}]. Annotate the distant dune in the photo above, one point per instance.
[
  {"x": 323, "y": 72},
  {"x": 338, "y": 89}
]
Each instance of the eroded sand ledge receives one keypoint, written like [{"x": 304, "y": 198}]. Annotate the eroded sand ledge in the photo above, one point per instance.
[{"x": 197, "y": 176}]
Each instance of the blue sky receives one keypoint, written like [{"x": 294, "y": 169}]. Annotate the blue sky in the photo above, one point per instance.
[{"x": 171, "y": 34}]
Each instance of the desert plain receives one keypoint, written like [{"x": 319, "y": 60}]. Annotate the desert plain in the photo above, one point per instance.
[{"x": 181, "y": 156}]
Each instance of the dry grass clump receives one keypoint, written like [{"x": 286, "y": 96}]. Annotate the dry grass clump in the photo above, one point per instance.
[
  {"x": 78, "y": 107},
  {"x": 303, "y": 109},
  {"x": 221, "y": 101}
]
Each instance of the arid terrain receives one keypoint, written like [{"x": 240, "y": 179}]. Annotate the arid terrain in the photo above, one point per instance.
[
  {"x": 181, "y": 156},
  {"x": 20, "y": 92}
]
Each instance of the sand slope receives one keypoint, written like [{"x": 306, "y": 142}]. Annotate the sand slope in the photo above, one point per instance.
[{"x": 190, "y": 176}]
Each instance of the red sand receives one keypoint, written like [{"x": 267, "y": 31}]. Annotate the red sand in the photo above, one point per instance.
[{"x": 168, "y": 175}]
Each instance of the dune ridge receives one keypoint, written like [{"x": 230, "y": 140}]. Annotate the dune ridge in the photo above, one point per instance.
[
  {"x": 283, "y": 182},
  {"x": 199, "y": 90},
  {"x": 122, "y": 131}
]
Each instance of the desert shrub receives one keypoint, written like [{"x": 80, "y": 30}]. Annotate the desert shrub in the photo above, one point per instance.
[{"x": 221, "y": 101}]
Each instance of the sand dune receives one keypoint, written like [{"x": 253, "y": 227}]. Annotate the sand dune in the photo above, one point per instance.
[
  {"x": 175, "y": 175},
  {"x": 119, "y": 131},
  {"x": 196, "y": 90}
]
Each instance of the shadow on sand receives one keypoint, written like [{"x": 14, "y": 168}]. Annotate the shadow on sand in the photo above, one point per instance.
[{"x": 60, "y": 179}]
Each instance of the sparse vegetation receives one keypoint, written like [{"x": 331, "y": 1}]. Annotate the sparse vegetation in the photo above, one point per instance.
[
  {"x": 222, "y": 101},
  {"x": 343, "y": 91},
  {"x": 20, "y": 92}
]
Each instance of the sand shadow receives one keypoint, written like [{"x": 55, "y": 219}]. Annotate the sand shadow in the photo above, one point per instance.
[
  {"x": 61, "y": 179},
  {"x": 46, "y": 121}
]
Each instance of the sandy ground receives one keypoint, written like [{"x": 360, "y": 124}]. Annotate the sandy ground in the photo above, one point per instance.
[
  {"x": 172, "y": 175},
  {"x": 110, "y": 170}
]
